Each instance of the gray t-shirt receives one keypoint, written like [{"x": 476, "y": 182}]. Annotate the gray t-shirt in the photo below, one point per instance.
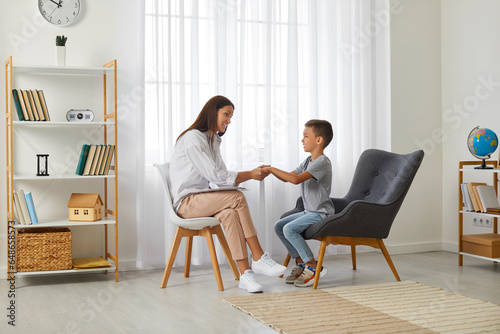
[{"x": 316, "y": 191}]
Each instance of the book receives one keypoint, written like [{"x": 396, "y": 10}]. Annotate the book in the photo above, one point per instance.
[
  {"x": 17, "y": 103},
  {"x": 97, "y": 156},
  {"x": 83, "y": 159},
  {"x": 488, "y": 197},
  {"x": 31, "y": 207},
  {"x": 104, "y": 160},
  {"x": 38, "y": 105},
  {"x": 108, "y": 161},
  {"x": 24, "y": 207},
  {"x": 474, "y": 199},
  {"x": 33, "y": 106},
  {"x": 90, "y": 262},
  {"x": 18, "y": 210},
  {"x": 44, "y": 105},
  {"x": 476, "y": 194},
  {"x": 90, "y": 158},
  {"x": 26, "y": 100},
  {"x": 466, "y": 197}
]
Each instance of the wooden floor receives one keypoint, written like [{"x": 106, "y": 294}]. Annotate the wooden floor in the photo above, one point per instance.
[{"x": 94, "y": 303}]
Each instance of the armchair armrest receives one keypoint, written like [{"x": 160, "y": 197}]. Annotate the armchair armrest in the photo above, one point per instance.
[{"x": 299, "y": 207}]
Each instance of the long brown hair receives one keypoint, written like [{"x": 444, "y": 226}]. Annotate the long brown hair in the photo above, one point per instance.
[{"x": 207, "y": 118}]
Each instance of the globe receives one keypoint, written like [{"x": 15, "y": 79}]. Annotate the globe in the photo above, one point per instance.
[{"x": 482, "y": 142}]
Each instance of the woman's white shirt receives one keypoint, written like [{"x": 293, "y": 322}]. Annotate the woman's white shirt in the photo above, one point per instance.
[{"x": 195, "y": 163}]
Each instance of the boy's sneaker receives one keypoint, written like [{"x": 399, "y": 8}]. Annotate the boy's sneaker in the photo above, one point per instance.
[
  {"x": 307, "y": 277},
  {"x": 267, "y": 266},
  {"x": 248, "y": 282},
  {"x": 296, "y": 272}
]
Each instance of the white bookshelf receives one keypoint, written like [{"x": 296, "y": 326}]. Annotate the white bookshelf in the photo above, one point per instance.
[
  {"x": 469, "y": 167},
  {"x": 37, "y": 136}
]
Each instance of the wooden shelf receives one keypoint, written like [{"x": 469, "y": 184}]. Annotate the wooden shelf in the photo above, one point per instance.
[
  {"x": 480, "y": 257},
  {"x": 480, "y": 213},
  {"x": 60, "y": 70},
  {"x": 62, "y": 272},
  {"x": 61, "y": 177},
  {"x": 494, "y": 170},
  {"x": 50, "y": 124},
  {"x": 66, "y": 223}
]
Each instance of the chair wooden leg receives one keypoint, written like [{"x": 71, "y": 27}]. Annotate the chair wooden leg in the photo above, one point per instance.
[
  {"x": 171, "y": 256},
  {"x": 225, "y": 247},
  {"x": 319, "y": 265},
  {"x": 388, "y": 258},
  {"x": 207, "y": 233},
  {"x": 189, "y": 248},
  {"x": 353, "y": 255},
  {"x": 287, "y": 261}
]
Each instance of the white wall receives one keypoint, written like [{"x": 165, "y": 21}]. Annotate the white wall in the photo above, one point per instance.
[
  {"x": 439, "y": 52},
  {"x": 416, "y": 119},
  {"x": 106, "y": 30},
  {"x": 470, "y": 57}
]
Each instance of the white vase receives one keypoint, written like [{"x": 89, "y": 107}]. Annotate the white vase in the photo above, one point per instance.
[{"x": 60, "y": 55}]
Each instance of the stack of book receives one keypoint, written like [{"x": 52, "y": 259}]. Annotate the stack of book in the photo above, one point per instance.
[
  {"x": 30, "y": 105},
  {"x": 95, "y": 159},
  {"x": 24, "y": 208},
  {"x": 480, "y": 197}
]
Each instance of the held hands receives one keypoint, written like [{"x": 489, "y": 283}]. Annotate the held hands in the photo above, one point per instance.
[{"x": 261, "y": 172}]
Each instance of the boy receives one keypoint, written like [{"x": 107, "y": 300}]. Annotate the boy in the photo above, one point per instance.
[{"x": 315, "y": 177}]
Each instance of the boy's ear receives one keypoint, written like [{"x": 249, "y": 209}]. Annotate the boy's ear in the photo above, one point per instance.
[{"x": 319, "y": 140}]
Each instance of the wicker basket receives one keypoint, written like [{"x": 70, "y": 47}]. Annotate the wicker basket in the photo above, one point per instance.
[{"x": 41, "y": 249}]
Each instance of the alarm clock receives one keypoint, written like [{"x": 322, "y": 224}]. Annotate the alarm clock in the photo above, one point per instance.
[{"x": 80, "y": 115}]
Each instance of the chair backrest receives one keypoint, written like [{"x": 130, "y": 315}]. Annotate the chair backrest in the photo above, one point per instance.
[
  {"x": 383, "y": 177},
  {"x": 191, "y": 223},
  {"x": 163, "y": 169}
]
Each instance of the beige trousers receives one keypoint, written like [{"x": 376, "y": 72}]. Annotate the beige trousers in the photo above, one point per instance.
[{"x": 231, "y": 209}]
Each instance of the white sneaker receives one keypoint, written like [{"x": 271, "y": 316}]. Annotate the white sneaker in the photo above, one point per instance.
[
  {"x": 248, "y": 282},
  {"x": 267, "y": 266}
]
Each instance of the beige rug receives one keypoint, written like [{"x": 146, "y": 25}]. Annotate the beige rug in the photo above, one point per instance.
[{"x": 399, "y": 307}]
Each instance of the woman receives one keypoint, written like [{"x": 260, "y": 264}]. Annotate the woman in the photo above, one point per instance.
[{"x": 196, "y": 161}]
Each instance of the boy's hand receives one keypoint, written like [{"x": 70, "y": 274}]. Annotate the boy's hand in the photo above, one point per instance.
[
  {"x": 259, "y": 173},
  {"x": 266, "y": 170}
]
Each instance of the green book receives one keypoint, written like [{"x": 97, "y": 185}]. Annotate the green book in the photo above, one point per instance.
[
  {"x": 83, "y": 159},
  {"x": 18, "y": 105}
]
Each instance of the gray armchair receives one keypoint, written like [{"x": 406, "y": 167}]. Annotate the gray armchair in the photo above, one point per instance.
[{"x": 366, "y": 213}]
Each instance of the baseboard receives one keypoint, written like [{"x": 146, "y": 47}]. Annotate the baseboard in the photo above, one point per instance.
[
  {"x": 451, "y": 247},
  {"x": 420, "y": 247}
]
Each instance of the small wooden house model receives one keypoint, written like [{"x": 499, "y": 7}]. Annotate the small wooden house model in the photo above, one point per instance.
[{"x": 85, "y": 207}]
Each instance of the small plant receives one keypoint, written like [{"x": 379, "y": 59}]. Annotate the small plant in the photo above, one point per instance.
[{"x": 61, "y": 40}]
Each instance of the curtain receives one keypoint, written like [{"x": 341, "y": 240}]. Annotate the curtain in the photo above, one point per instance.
[{"x": 281, "y": 62}]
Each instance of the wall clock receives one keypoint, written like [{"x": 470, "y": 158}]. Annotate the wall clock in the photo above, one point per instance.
[{"x": 59, "y": 12}]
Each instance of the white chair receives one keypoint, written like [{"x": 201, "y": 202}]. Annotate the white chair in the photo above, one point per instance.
[{"x": 203, "y": 226}]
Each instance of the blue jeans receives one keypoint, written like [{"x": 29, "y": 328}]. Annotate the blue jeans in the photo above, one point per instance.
[{"x": 288, "y": 230}]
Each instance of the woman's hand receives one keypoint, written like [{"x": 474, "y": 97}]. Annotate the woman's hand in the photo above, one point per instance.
[{"x": 260, "y": 173}]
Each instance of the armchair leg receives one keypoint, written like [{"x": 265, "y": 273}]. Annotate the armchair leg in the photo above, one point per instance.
[
  {"x": 319, "y": 265},
  {"x": 287, "y": 261},
  {"x": 207, "y": 233},
  {"x": 353, "y": 255},
  {"x": 171, "y": 257},
  {"x": 388, "y": 258},
  {"x": 189, "y": 247},
  {"x": 225, "y": 247}
]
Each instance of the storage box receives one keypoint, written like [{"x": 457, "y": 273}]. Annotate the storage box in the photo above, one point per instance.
[
  {"x": 487, "y": 245},
  {"x": 41, "y": 249}
]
